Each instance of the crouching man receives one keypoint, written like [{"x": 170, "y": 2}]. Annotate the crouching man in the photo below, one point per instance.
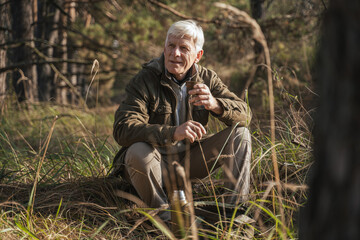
[{"x": 160, "y": 116}]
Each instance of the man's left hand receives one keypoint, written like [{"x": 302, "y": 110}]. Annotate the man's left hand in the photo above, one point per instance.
[{"x": 201, "y": 95}]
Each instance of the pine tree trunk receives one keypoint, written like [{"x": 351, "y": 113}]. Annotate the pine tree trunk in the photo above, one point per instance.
[
  {"x": 62, "y": 89},
  {"x": 3, "y": 21},
  {"x": 50, "y": 17},
  {"x": 257, "y": 9},
  {"x": 73, "y": 68},
  {"x": 333, "y": 208},
  {"x": 24, "y": 80}
]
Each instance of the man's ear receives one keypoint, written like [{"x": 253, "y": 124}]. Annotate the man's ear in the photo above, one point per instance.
[{"x": 199, "y": 55}]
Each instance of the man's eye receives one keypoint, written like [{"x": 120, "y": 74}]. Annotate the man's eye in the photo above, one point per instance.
[{"x": 184, "y": 49}]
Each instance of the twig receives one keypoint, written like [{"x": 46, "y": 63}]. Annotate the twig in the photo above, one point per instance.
[
  {"x": 24, "y": 64},
  {"x": 33, "y": 192},
  {"x": 96, "y": 67},
  {"x": 4, "y": 3},
  {"x": 131, "y": 198},
  {"x": 324, "y": 4},
  {"x": 179, "y": 14}
]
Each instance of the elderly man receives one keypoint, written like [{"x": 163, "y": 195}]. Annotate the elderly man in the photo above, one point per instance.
[{"x": 160, "y": 116}]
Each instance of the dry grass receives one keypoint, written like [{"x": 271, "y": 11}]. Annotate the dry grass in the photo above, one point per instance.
[{"x": 75, "y": 200}]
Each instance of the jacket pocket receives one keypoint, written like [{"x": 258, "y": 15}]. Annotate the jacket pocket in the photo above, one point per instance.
[{"x": 161, "y": 114}]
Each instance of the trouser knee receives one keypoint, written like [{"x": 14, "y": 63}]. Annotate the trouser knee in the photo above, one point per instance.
[
  {"x": 140, "y": 157},
  {"x": 242, "y": 140},
  {"x": 242, "y": 134},
  {"x": 241, "y": 165},
  {"x": 144, "y": 172}
]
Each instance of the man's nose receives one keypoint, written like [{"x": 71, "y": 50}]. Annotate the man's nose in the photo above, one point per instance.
[{"x": 176, "y": 52}]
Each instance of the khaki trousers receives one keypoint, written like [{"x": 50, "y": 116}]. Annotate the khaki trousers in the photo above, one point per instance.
[{"x": 145, "y": 166}]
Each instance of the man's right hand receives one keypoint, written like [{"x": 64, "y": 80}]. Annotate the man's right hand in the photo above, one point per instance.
[{"x": 189, "y": 130}]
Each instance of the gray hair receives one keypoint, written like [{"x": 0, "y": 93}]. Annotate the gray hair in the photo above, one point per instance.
[{"x": 188, "y": 28}]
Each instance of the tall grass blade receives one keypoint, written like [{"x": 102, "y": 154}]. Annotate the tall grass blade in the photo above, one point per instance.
[
  {"x": 100, "y": 228},
  {"x": 25, "y": 230},
  {"x": 277, "y": 220},
  {"x": 58, "y": 210},
  {"x": 94, "y": 66},
  {"x": 33, "y": 191},
  {"x": 161, "y": 227}
]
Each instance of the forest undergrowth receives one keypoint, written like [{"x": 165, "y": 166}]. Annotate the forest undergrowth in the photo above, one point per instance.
[{"x": 54, "y": 184}]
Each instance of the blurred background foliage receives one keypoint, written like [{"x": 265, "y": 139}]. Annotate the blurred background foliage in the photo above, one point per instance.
[{"x": 123, "y": 34}]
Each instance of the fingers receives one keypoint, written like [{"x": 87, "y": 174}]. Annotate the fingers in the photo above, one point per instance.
[
  {"x": 189, "y": 130},
  {"x": 200, "y": 94},
  {"x": 199, "y": 128},
  {"x": 191, "y": 135},
  {"x": 201, "y": 97},
  {"x": 198, "y": 100},
  {"x": 200, "y": 89},
  {"x": 194, "y": 130}
]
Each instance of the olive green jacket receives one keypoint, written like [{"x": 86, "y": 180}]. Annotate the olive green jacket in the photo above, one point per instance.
[{"x": 148, "y": 112}]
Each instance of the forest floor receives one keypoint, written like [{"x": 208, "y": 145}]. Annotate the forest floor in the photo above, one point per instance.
[{"x": 54, "y": 163}]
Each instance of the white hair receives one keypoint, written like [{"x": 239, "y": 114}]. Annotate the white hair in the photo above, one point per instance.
[{"x": 188, "y": 28}]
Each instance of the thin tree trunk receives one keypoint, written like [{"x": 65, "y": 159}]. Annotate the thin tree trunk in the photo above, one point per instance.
[
  {"x": 257, "y": 12},
  {"x": 333, "y": 208},
  {"x": 62, "y": 89},
  {"x": 24, "y": 80},
  {"x": 50, "y": 17},
  {"x": 72, "y": 54},
  {"x": 257, "y": 9},
  {"x": 3, "y": 21},
  {"x": 73, "y": 70}
]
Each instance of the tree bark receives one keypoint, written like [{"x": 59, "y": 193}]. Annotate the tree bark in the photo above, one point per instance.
[
  {"x": 72, "y": 54},
  {"x": 257, "y": 12},
  {"x": 333, "y": 207},
  {"x": 3, "y": 21},
  {"x": 62, "y": 89},
  {"x": 257, "y": 9},
  {"x": 25, "y": 79},
  {"x": 49, "y": 18}
]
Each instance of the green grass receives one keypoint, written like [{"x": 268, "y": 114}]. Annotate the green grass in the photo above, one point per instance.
[{"x": 73, "y": 199}]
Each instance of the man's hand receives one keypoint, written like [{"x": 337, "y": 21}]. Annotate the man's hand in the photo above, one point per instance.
[
  {"x": 189, "y": 130},
  {"x": 201, "y": 95}
]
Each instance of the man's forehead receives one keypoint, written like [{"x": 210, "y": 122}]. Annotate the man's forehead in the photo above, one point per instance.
[{"x": 182, "y": 39}]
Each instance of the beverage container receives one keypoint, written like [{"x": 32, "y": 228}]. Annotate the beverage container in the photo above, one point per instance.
[{"x": 180, "y": 217}]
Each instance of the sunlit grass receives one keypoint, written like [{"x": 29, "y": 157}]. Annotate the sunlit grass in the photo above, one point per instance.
[{"x": 75, "y": 200}]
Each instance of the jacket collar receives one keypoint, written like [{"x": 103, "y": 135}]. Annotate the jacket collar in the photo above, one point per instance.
[
  {"x": 190, "y": 75},
  {"x": 156, "y": 64}
]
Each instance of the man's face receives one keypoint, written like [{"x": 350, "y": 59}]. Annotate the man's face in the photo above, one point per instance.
[{"x": 180, "y": 54}]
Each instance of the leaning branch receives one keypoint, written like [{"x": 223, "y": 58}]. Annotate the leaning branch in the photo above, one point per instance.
[
  {"x": 258, "y": 36},
  {"x": 179, "y": 14},
  {"x": 24, "y": 64}
]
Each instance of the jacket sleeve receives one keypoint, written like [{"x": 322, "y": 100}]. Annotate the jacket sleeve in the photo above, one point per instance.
[
  {"x": 235, "y": 109},
  {"x": 131, "y": 118}
]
